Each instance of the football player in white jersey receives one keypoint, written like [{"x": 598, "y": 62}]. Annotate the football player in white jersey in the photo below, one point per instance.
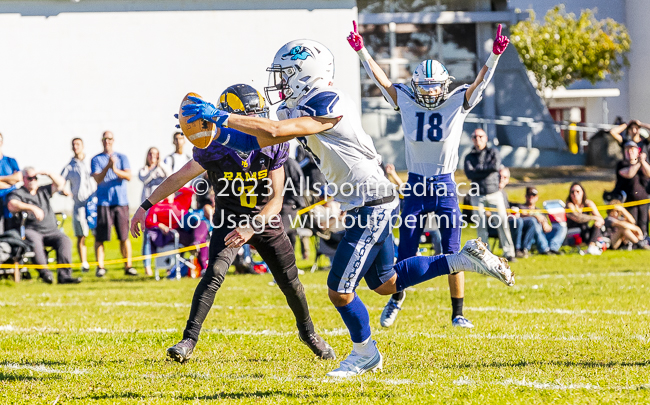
[
  {"x": 326, "y": 121},
  {"x": 432, "y": 121}
]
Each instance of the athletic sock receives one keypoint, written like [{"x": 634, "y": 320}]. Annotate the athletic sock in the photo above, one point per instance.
[
  {"x": 456, "y": 307},
  {"x": 398, "y": 296},
  {"x": 458, "y": 263},
  {"x": 356, "y": 318},
  {"x": 416, "y": 270},
  {"x": 365, "y": 348}
]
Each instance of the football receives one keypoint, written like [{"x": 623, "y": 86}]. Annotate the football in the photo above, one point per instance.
[{"x": 200, "y": 132}]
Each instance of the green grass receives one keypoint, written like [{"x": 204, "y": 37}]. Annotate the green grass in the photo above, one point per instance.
[{"x": 575, "y": 329}]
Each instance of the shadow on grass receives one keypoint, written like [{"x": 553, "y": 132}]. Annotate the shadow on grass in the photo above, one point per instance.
[
  {"x": 30, "y": 363},
  {"x": 566, "y": 363},
  {"x": 221, "y": 395}
]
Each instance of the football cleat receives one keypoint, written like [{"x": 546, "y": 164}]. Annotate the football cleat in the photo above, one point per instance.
[
  {"x": 100, "y": 272},
  {"x": 356, "y": 364},
  {"x": 319, "y": 346},
  {"x": 392, "y": 308},
  {"x": 181, "y": 351},
  {"x": 462, "y": 322},
  {"x": 485, "y": 262}
]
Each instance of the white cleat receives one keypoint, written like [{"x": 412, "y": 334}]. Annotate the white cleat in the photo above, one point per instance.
[
  {"x": 485, "y": 262},
  {"x": 356, "y": 364},
  {"x": 389, "y": 314}
]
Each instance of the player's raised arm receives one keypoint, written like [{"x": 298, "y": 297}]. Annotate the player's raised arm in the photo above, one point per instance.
[
  {"x": 475, "y": 91},
  {"x": 376, "y": 73}
]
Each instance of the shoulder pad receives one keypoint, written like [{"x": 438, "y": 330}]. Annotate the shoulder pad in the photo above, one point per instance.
[
  {"x": 404, "y": 89},
  {"x": 322, "y": 104}
]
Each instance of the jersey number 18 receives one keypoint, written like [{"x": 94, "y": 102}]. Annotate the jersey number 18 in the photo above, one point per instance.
[{"x": 434, "y": 134}]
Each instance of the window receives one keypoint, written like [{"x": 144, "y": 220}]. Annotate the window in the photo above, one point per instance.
[{"x": 414, "y": 6}]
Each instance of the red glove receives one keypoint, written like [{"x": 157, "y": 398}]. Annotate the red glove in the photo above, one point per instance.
[
  {"x": 500, "y": 42},
  {"x": 356, "y": 40}
]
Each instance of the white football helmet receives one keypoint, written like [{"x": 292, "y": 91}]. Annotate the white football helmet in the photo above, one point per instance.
[
  {"x": 298, "y": 67},
  {"x": 430, "y": 83}
]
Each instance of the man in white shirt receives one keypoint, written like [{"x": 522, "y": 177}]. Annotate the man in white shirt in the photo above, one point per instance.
[
  {"x": 81, "y": 187},
  {"x": 177, "y": 159}
]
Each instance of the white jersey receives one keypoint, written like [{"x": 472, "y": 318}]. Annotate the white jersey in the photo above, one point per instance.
[
  {"x": 345, "y": 154},
  {"x": 432, "y": 136}
]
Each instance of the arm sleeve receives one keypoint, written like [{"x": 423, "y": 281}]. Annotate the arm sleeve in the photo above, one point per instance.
[
  {"x": 95, "y": 167},
  {"x": 477, "y": 95},
  {"x": 383, "y": 90},
  {"x": 281, "y": 156},
  {"x": 14, "y": 166},
  {"x": 65, "y": 172},
  {"x": 237, "y": 140},
  {"x": 125, "y": 162}
]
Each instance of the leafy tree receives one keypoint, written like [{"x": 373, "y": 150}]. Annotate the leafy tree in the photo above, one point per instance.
[{"x": 564, "y": 49}]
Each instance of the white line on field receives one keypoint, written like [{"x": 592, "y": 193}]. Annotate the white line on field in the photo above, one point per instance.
[
  {"x": 40, "y": 368},
  {"x": 533, "y": 384},
  {"x": 553, "y": 311}
]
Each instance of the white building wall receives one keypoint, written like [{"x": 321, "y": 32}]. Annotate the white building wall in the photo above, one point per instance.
[
  {"x": 638, "y": 12},
  {"x": 78, "y": 69}
]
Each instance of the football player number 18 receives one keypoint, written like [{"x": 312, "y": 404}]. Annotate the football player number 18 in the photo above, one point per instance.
[{"x": 434, "y": 133}]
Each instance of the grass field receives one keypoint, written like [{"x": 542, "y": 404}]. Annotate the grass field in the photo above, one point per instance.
[{"x": 575, "y": 329}]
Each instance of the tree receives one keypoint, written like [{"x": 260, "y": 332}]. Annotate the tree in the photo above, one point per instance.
[{"x": 563, "y": 49}]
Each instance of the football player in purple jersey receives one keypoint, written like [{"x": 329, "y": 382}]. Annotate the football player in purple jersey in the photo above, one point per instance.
[{"x": 248, "y": 194}]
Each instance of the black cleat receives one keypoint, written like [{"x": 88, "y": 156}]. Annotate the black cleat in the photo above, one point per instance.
[
  {"x": 181, "y": 351},
  {"x": 319, "y": 346}
]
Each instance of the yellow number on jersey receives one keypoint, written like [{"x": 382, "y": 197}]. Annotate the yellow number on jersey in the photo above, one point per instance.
[{"x": 246, "y": 196}]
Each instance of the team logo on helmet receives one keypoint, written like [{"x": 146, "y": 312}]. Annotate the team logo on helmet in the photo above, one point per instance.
[{"x": 299, "y": 52}]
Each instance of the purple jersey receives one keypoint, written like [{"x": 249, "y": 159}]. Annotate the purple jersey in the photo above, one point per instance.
[{"x": 241, "y": 185}]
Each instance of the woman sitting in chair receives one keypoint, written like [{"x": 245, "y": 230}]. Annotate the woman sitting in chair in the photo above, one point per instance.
[{"x": 576, "y": 202}]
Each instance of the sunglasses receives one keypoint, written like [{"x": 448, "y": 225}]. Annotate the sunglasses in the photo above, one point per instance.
[{"x": 32, "y": 178}]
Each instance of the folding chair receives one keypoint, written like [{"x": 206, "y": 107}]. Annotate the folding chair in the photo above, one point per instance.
[{"x": 172, "y": 262}]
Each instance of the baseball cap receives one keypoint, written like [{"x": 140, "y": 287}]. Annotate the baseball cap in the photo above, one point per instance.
[
  {"x": 630, "y": 144},
  {"x": 531, "y": 191}
]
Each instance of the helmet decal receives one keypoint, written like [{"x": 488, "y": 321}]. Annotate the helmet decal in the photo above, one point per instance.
[
  {"x": 298, "y": 67},
  {"x": 299, "y": 52}
]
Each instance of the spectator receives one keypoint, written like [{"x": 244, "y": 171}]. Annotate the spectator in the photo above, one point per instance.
[
  {"x": 576, "y": 202},
  {"x": 178, "y": 159},
  {"x": 111, "y": 171},
  {"x": 632, "y": 178},
  {"x": 522, "y": 229},
  {"x": 622, "y": 229},
  {"x": 9, "y": 176},
  {"x": 544, "y": 233},
  {"x": 81, "y": 188},
  {"x": 151, "y": 175},
  {"x": 482, "y": 167},
  {"x": 632, "y": 134},
  {"x": 40, "y": 227},
  {"x": 293, "y": 198}
]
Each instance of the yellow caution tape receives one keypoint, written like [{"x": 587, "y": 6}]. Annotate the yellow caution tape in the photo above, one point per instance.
[
  {"x": 106, "y": 262},
  {"x": 302, "y": 211}
]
